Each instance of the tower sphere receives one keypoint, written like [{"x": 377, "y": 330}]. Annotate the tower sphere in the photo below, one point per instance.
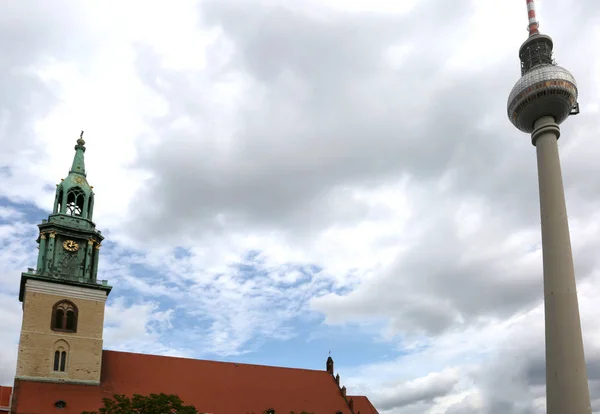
[{"x": 546, "y": 90}]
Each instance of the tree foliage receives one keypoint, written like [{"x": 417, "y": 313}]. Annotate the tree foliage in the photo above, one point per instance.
[
  {"x": 140, "y": 404},
  {"x": 152, "y": 404},
  {"x": 272, "y": 411}
]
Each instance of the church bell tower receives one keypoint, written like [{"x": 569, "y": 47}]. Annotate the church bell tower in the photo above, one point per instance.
[{"x": 63, "y": 302}]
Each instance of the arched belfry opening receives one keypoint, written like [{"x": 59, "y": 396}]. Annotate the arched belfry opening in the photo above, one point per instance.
[
  {"x": 64, "y": 316},
  {"x": 75, "y": 202},
  {"x": 90, "y": 208},
  {"x": 58, "y": 202}
]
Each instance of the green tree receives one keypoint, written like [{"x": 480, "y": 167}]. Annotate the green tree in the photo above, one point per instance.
[{"x": 140, "y": 404}]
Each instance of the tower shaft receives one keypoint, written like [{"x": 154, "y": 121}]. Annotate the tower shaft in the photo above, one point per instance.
[{"x": 566, "y": 375}]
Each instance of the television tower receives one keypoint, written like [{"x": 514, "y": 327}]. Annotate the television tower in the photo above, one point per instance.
[{"x": 543, "y": 98}]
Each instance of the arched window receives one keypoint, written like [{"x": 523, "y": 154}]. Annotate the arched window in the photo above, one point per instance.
[
  {"x": 58, "y": 201},
  {"x": 64, "y": 316},
  {"x": 75, "y": 201},
  {"x": 56, "y": 360},
  {"x": 90, "y": 207},
  {"x": 63, "y": 361},
  {"x": 59, "y": 315},
  {"x": 59, "y": 363},
  {"x": 70, "y": 325}
]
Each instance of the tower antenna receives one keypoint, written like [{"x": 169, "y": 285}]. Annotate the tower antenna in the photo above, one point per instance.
[{"x": 534, "y": 25}]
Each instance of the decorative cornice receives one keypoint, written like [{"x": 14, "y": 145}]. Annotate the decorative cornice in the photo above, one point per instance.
[
  {"x": 56, "y": 380},
  {"x": 56, "y": 225},
  {"x": 61, "y": 335},
  {"x": 76, "y": 292}
]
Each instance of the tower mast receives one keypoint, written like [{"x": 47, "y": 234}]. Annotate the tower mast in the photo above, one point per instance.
[
  {"x": 540, "y": 101},
  {"x": 533, "y": 23}
]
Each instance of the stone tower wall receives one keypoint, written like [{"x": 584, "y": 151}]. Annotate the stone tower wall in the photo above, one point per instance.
[{"x": 38, "y": 341}]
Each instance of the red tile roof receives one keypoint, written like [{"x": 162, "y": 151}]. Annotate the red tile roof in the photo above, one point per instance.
[
  {"x": 5, "y": 393},
  {"x": 213, "y": 387},
  {"x": 362, "y": 405}
]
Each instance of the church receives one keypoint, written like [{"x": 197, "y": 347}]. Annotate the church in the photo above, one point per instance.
[{"x": 63, "y": 368}]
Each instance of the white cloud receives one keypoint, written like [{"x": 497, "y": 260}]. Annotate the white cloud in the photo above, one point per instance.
[
  {"x": 138, "y": 327},
  {"x": 355, "y": 157}
]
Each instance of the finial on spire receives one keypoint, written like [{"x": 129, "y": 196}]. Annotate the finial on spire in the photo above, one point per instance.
[
  {"x": 329, "y": 364},
  {"x": 80, "y": 141},
  {"x": 78, "y": 161},
  {"x": 533, "y": 23}
]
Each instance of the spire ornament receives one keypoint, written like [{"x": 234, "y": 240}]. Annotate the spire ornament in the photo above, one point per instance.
[
  {"x": 78, "y": 161},
  {"x": 80, "y": 141}
]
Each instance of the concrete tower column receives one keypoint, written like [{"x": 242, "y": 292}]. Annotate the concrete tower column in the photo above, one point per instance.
[{"x": 566, "y": 375}]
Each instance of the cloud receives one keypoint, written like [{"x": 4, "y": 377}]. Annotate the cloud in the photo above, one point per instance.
[
  {"x": 268, "y": 170},
  {"x": 419, "y": 390},
  {"x": 465, "y": 263},
  {"x": 304, "y": 128},
  {"x": 16, "y": 253},
  {"x": 34, "y": 34},
  {"x": 9, "y": 323},
  {"x": 138, "y": 327}
]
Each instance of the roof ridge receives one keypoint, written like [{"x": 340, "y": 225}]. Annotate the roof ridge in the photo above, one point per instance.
[{"x": 214, "y": 361}]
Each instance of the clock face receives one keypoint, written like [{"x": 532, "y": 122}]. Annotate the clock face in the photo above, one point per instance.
[{"x": 70, "y": 245}]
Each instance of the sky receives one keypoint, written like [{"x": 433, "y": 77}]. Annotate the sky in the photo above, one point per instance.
[{"x": 277, "y": 180}]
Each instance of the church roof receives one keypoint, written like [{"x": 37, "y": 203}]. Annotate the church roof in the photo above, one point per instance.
[
  {"x": 362, "y": 405},
  {"x": 5, "y": 398},
  {"x": 212, "y": 387}
]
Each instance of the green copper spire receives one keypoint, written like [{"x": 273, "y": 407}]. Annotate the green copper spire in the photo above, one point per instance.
[
  {"x": 78, "y": 166},
  {"x": 74, "y": 195},
  {"x": 69, "y": 243}
]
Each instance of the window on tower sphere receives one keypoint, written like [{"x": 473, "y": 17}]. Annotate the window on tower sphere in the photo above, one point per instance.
[{"x": 64, "y": 316}]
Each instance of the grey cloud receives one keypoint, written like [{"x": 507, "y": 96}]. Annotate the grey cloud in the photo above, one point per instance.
[
  {"x": 421, "y": 392},
  {"x": 536, "y": 369},
  {"x": 11, "y": 315},
  {"x": 17, "y": 251},
  {"x": 328, "y": 50},
  {"x": 318, "y": 125},
  {"x": 465, "y": 406},
  {"x": 434, "y": 284},
  {"x": 516, "y": 375},
  {"x": 32, "y": 34},
  {"x": 323, "y": 112}
]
